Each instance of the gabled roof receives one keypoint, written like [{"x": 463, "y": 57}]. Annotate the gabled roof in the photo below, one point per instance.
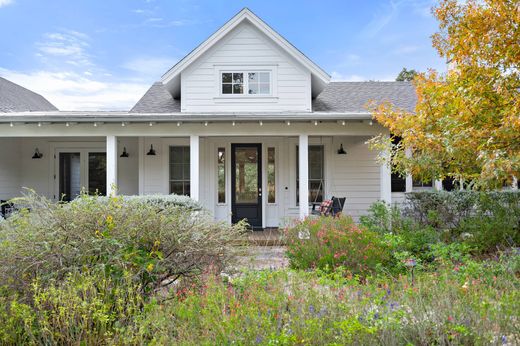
[
  {"x": 171, "y": 79},
  {"x": 15, "y": 98},
  {"x": 336, "y": 98},
  {"x": 352, "y": 97}
]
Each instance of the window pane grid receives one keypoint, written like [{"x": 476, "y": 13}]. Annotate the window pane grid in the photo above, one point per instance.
[
  {"x": 180, "y": 170},
  {"x": 316, "y": 174},
  {"x": 256, "y": 83}
]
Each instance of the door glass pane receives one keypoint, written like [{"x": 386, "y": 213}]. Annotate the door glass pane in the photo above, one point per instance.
[
  {"x": 97, "y": 173},
  {"x": 70, "y": 176},
  {"x": 246, "y": 177}
]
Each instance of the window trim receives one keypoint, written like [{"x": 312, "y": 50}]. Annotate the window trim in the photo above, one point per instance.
[
  {"x": 245, "y": 82},
  {"x": 324, "y": 179},
  {"x": 223, "y": 147},
  {"x": 272, "y": 97},
  {"x": 183, "y": 181}
]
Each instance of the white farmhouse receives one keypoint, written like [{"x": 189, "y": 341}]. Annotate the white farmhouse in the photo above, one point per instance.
[{"x": 245, "y": 123}]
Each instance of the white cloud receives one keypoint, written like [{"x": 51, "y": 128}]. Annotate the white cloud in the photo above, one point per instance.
[
  {"x": 5, "y": 2},
  {"x": 149, "y": 66},
  {"x": 74, "y": 91},
  {"x": 69, "y": 45}
]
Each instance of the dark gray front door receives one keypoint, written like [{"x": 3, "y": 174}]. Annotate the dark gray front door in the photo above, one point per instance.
[{"x": 246, "y": 183}]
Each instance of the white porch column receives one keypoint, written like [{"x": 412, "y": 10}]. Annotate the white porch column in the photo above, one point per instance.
[
  {"x": 194, "y": 167},
  {"x": 409, "y": 179},
  {"x": 386, "y": 181},
  {"x": 303, "y": 162},
  {"x": 111, "y": 164}
]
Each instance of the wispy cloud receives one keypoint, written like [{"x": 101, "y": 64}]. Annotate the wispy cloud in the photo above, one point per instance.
[
  {"x": 74, "y": 91},
  {"x": 391, "y": 10},
  {"x": 406, "y": 49},
  {"x": 67, "y": 45},
  {"x": 150, "y": 66},
  {"x": 5, "y": 2}
]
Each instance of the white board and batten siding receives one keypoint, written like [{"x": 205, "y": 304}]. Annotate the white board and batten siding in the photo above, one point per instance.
[{"x": 246, "y": 48}]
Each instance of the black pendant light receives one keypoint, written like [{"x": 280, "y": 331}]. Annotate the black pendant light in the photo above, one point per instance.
[
  {"x": 125, "y": 153},
  {"x": 151, "y": 151},
  {"x": 37, "y": 154}
]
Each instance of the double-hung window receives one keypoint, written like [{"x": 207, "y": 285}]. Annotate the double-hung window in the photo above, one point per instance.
[
  {"x": 316, "y": 174},
  {"x": 180, "y": 170},
  {"x": 246, "y": 83}
]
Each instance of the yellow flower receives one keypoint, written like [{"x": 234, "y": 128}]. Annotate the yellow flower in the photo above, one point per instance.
[{"x": 149, "y": 267}]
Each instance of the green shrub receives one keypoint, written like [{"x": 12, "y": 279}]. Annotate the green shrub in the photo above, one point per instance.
[
  {"x": 328, "y": 243},
  {"x": 485, "y": 220},
  {"x": 160, "y": 202},
  {"x": 115, "y": 236},
  {"x": 82, "y": 309}
]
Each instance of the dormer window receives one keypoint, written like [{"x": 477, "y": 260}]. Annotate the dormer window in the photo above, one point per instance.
[{"x": 256, "y": 83}]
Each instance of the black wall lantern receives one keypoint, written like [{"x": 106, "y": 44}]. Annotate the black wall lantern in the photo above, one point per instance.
[
  {"x": 37, "y": 154},
  {"x": 341, "y": 151},
  {"x": 151, "y": 151},
  {"x": 125, "y": 153}
]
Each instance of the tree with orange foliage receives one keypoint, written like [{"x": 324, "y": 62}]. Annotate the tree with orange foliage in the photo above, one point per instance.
[{"x": 466, "y": 123}]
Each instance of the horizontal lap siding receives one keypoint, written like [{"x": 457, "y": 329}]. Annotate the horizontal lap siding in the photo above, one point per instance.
[
  {"x": 245, "y": 46},
  {"x": 356, "y": 175}
]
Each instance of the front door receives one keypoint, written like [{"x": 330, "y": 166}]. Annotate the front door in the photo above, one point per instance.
[
  {"x": 246, "y": 183},
  {"x": 77, "y": 170}
]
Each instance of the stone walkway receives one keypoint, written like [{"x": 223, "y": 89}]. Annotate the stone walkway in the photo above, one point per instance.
[{"x": 262, "y": 257}]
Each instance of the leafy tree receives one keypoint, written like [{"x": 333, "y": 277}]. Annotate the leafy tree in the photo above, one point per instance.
[
  {"x": 406, "y": 75},
  {"x": 466, "y": 123}
]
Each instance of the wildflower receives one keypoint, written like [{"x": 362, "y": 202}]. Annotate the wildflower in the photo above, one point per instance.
[
  {"x": 504, "y": 340},
  {"x": 323, "y": 312},
  {"x": 311, "y": 309},
  {"x": 450, "y": 319},
  {"x": 149, "y": 267}
]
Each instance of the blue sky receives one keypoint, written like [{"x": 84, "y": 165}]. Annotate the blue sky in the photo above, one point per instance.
[{"x": 93, "y": 54}]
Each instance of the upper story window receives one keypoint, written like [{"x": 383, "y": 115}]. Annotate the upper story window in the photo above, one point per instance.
[{"x": 246, "y": 83}]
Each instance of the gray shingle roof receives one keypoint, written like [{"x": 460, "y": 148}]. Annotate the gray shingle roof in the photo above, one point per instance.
[
  {"x": 157, "y": 100},
  {"x": 352, "y": 97},
  {"x": 338, "y": 97},
  {"x": 15, "y": 98}
]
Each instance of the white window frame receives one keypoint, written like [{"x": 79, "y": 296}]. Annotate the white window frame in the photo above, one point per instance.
[
  {"x": 246, "y": 97},
  {"x": 245, "y": 84}
]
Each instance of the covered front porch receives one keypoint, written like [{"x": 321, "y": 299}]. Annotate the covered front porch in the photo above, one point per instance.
[{"x": 259, "y": 171}]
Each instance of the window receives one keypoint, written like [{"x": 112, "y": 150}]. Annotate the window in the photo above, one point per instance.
[
  {"x": 256, "y": 83},
  {"x": 316, "y": 174},
  {"x": 420, "y": 183},
  {"x": 398, "y": 181},
  {"x": 271, "y": 176},
  {"x": 180, "y": 170},
  {"x": 259, "y": 83},
  {"x": 221, "y": 172},
  {"x": 232, "y": 83}
]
